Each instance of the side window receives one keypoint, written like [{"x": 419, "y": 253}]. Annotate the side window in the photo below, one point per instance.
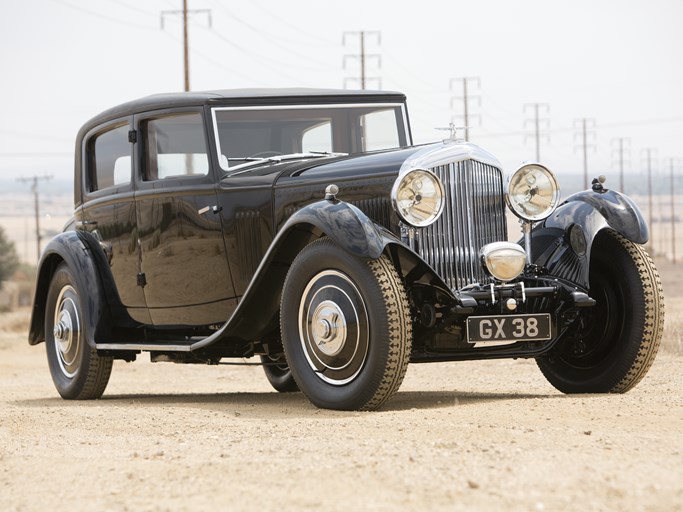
[
  {"x": 175, "y": 146},
  {"x": 110, "y": 159},
  {"x": 318, "y": 138},
  {"x": 379, "y": 130}
]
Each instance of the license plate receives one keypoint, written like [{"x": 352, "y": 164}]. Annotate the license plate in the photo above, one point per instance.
[{"x": 508, "y": 328}]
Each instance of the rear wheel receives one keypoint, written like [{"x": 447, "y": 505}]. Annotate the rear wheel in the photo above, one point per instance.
[
  {"x": 346, "y": 327},
  {"x": 77, "y": 371},
  {"x": 618, "y": 338},
  {"x": 278, "y": 374}
]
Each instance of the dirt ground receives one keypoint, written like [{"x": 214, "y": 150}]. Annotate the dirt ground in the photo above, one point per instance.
[{"x": 457, "y": 436}]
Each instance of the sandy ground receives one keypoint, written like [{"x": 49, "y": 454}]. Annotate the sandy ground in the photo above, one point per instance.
[{"x": 457, "y": 436}]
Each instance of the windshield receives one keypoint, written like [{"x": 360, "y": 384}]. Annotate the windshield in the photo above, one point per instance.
[{"x": 248, "y": 134}]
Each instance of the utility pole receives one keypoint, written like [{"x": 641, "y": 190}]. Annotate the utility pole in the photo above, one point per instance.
[
  {"x": 186, "y": 46},
  {"x": 648, "y": 165},
  {"x": 465, "y": 98},
  {"x": 585, "y": 126},
  {"x": 36, "y": 207},
  {"x": 621, "y": 149},
  {"x": 363, "y": 57},
  {"x": 537, "y": 121}
]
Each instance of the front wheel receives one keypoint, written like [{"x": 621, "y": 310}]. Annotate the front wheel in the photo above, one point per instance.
[
  {"x": 615, "y": 341},
  {"x": 346, "y": 327},
  {"x": 78, "y": 372}
]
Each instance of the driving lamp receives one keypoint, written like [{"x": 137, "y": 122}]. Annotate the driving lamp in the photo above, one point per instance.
[
  {"x": 503, "y": 260},
  {"x": 533, "y": 192},
  {"x": 418, "y": 197}
]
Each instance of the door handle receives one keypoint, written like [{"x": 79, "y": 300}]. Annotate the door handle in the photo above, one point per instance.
[{"x": 214, "y": 209}]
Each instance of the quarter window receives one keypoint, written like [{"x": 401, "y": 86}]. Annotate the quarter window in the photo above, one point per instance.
[
  {"x": 111, "y": 159},
  {"x": 379, "y": 130},
  {"x": 175, "y": 146}
]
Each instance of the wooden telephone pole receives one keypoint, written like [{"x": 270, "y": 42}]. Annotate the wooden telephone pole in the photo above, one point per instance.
[
  {"x": 36, "y": 207},
  {"x": 186, "y": 45}
]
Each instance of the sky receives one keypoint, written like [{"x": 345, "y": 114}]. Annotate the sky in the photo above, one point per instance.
[{"x": 615, "y": 63}]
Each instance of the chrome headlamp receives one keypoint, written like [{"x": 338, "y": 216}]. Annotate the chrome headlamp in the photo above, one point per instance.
[
  {"x": 533, "y": 192},
  {"x": 418, "y": 197},
  {"x": 503, "y": 260}
]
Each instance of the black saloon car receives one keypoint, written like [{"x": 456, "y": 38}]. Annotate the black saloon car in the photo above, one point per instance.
[{"x": 303, "y": 227}]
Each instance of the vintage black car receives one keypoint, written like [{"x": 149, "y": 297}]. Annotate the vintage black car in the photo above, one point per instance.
[{"x": 302, "y": 226}]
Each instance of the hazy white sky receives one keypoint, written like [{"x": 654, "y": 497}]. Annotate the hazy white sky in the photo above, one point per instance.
[{"x": 616, "y": 62}]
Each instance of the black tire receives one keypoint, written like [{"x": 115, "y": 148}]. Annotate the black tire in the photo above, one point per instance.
[
  {"x": 618, "y": 338},
  {"x": 278, "y": 374},
  {"x": 76, "y": 369},
  {"x": 346, "y": 327}
]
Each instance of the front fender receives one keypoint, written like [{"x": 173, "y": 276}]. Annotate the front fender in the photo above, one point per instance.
[
  {"x": 348, "y": 226},
  {"x": 344, "y": 223},
  {"x": 563, "y": 243},
  {"x": 72, "y": 248},
  {"x": 596, "y": 210}
]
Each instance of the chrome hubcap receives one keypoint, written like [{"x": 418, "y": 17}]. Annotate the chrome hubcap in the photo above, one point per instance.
[
  {"x": 333, "y": 327},
  {"x": 328, "y": 327},
  {"x": 66, "y": 331}
]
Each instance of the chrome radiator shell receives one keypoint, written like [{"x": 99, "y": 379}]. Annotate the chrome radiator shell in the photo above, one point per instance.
[{"x": 473, "y": 216}]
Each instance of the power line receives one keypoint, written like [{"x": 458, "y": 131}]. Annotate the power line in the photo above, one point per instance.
[
  {"x": 102, "y": 16},
  {"x": 297, "y": 28},
  {"x": 248, "y": 52},
  {"x": 134, "y": 8},
  {"x": 259, "y": 30}
]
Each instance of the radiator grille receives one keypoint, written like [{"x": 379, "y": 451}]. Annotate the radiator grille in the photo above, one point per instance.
[{"x": 474, "y": 215}]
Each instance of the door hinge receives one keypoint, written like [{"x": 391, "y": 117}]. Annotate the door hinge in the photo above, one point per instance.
[
  {"x": 142, "y": 280},
  {"x": 132, "y": 136}
]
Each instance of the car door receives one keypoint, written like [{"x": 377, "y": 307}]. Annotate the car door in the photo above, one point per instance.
[
  {"x": 184, "y": 268},
  {"x": 108, "y": 211}
]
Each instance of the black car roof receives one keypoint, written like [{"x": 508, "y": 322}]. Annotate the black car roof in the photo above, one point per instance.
[{"x": 280, "y": 96}]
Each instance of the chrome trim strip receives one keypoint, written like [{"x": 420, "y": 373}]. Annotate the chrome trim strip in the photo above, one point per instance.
[
  {"x": 406, "y": 127},
  {"x": 448, "y": 152}
]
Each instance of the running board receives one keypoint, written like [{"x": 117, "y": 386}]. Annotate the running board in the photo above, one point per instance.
[{"x": 151, "y": 347}]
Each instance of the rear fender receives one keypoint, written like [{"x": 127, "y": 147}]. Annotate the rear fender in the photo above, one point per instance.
[
  {"x": 563, "y": 243},
  {"x": 78, "y": 252}
]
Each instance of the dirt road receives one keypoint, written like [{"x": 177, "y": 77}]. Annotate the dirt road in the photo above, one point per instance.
[{"x": 457, "y": 436}]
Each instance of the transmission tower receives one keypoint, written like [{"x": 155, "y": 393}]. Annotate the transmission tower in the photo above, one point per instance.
[
  {"x": 620, "y": 151},
  {"x": 363, "y": 57},
  {"x": 538, "y": 123},
  {"x": 465, "y": 98},
  {"x": 586, "y": 131}
]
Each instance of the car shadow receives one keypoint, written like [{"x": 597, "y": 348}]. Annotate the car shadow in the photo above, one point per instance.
[{"x": 273, "y": 404}]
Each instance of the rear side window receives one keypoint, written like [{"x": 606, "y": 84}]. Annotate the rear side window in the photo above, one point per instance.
[
  {"x": 175, "y": 146},
  {"x": 110, "y": 159}
]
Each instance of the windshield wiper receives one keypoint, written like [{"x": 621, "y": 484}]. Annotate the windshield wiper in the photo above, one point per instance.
[{"x": 275, "y": 159}]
